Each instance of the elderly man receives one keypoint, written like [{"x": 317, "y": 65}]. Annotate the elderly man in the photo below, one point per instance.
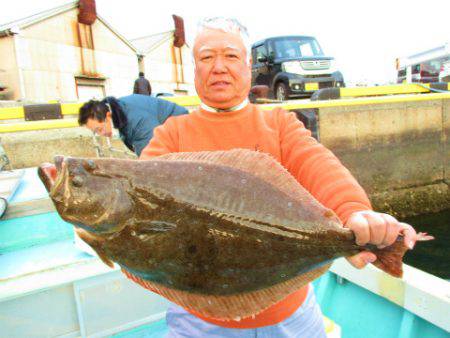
[{"x": 226, "y": 120}]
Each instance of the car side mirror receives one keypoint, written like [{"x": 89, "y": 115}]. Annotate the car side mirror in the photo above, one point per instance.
[{"x": 262, "y": 59}]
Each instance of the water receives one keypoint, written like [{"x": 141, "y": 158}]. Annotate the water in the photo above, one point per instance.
[{"x": 432, "y": 256}]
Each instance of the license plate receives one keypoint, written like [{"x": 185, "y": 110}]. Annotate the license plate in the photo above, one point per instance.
[{"x": 311, "y": 86}]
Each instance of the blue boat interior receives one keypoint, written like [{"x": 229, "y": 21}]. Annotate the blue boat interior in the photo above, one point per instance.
[{"x": 68, "y": 292}]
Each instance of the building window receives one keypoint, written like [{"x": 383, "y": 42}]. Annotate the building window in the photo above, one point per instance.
[{"x": 90, "y": 88}]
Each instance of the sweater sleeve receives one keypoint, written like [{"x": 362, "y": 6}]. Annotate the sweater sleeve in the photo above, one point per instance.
[
  {"x": 318, "y": 170},
  {"x": 165, "y": 140}
]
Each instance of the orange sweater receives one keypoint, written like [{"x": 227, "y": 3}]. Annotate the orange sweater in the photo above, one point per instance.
[{"x": 280, "y": 134}]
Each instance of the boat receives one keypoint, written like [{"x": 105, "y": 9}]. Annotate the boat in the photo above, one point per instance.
[{"x": 50, "y": 286}]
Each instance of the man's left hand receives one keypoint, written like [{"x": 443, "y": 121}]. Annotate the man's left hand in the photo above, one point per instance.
[{"x": 382, "y": 230}]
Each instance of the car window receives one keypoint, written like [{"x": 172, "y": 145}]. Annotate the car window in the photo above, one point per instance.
[
  {"x": 431, "y": 68},
  {"x": 254, "y": 55},
  {"x": 446, "y": 66},
  {"x": 415, "y": 69},
  {"x": 435, "y": 66},
  {"x": 271, "y": 52},
  {"x": 296, "y": 47},
  {"x": 260, "y": 51},
  {"x": 306, "y": 49}
]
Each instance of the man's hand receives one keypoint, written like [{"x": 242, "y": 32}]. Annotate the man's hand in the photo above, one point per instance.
[{"x": 371, "y": 227}]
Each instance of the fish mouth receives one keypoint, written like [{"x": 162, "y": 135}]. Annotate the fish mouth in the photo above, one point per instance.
[{"x": 48, "y": 172}]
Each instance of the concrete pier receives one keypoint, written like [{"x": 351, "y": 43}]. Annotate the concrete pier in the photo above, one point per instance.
[
  {"x": 31, "y": 148},
  {"x": 397, "y": 149},
  {"x": 399, "y": 152}
]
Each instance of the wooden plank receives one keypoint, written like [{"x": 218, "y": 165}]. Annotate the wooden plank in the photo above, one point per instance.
[
  {"x": 28, "y": 208},
  {"x": 9, "y": 181}
]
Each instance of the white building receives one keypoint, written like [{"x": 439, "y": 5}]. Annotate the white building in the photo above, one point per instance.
[{"x": 70, "y": 53}]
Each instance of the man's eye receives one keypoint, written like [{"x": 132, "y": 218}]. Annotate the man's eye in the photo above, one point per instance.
[
  {"x": 232, "y": 56},
  {"x": 206, "y": 58}
]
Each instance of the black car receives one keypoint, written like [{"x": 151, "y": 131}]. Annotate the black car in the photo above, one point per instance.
[{"x": 293, "y": 66}]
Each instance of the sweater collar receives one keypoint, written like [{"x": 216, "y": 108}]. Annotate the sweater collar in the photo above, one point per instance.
[{"x": 218, "y": 110}]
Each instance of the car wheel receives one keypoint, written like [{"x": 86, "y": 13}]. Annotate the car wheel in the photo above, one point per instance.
[{"x": 281, "y": 92}]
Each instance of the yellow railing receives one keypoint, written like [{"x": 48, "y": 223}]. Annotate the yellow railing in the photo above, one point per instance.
[
  {"x": 349, "y": 97},
  {"x": 388, "y": 90},
  {"x": 38, "y": 125},
  {"x": 13, "y": 113}
]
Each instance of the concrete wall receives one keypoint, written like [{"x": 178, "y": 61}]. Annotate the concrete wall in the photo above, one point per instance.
[
  {"x": 32, "y": 148},
  {"x": 399, "y": 152}
]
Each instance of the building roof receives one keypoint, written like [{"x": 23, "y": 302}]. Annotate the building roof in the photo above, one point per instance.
[
  {"x": 427, "y": 55},
  {"x": 120, "y": 36},
  {"x": 148, "y": 43},
  {"x": 14, "y": 27}
]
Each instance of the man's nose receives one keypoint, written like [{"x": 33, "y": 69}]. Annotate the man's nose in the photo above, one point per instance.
[{"x": 219, "y": 65}]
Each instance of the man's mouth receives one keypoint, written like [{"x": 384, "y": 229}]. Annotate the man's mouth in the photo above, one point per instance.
[{"x": 220, "y": 84}]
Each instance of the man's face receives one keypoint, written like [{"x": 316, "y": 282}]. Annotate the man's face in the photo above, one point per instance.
[
  {"x": 103, "y": 128},
  {"x": 222, "y": 75}
]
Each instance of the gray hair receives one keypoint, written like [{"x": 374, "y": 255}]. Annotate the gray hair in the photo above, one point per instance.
[{"x": 229, "y": 25}]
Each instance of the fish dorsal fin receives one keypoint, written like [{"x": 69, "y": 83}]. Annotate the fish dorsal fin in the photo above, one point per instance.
[{"x": 260, "y": 164}]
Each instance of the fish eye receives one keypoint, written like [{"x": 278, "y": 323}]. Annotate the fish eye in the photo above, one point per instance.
[
  {"x": 77, "y": 181},
  {"x": 89, "y": 165}
]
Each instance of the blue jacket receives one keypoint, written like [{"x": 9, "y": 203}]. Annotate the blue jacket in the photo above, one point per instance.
[{"x": 144, "y": 113}]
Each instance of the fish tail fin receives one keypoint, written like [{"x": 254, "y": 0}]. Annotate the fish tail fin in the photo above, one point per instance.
[{"x": 390, "y": 259}]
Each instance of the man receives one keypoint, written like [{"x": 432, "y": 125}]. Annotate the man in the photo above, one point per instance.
[
  {"x": 142, "y": 85},
  {"x": 225, "y": 121},
  {"x": 135, "y": 116}
]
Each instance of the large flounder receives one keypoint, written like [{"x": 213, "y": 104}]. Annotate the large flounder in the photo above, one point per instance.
[{"x": 226, "y": 234}]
